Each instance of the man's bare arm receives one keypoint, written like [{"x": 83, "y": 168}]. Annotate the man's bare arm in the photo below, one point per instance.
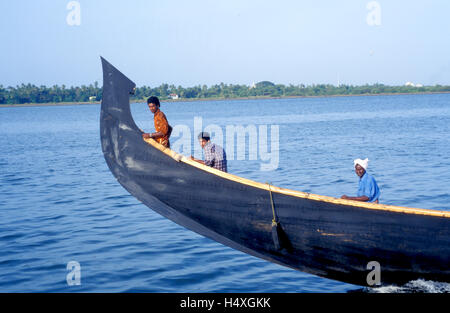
[
  {"x": 362, "y": 198},
  {"x": 152, "y": 135},
  {"x": 197, "y": 160}
]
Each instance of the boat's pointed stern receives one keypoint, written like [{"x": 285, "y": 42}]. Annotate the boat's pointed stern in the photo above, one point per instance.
[
  {"x": 117, "y": 126},
  {"x": 116, "y": 90}
]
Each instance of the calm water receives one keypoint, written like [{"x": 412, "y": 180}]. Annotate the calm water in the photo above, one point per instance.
[{"x": 60, "y": 203}]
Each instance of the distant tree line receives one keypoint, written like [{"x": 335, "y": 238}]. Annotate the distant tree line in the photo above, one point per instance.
[
  {"x": 42, "y": 94},
  {"x": 55, "y": 94}
]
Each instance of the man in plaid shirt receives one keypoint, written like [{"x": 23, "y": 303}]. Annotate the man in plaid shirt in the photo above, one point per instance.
[{"x": 214, "y": 154}]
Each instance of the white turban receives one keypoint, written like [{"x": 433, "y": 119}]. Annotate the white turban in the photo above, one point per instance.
[{"x": 364, "y": 163}]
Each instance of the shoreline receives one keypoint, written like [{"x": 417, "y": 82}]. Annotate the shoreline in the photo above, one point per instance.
[{"x": 224, "y": 99}]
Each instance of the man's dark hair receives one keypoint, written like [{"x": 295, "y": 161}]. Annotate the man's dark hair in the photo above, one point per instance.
[
  {"x": 204, "y": 135},
  {"x": 154, "y": 100}
]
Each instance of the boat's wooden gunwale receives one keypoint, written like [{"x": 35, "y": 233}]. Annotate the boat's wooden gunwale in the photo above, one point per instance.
[{"x": 372, "y": 206}]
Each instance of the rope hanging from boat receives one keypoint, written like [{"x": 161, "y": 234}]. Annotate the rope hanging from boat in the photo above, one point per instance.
[
  {"x": 274, "y": 220},
  {"x": 275, "y": 225}
]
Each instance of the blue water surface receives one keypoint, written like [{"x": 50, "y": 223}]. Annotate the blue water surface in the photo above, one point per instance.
[{"x": 60, "y": 203}]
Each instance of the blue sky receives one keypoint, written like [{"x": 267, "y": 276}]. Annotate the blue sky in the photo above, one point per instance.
[{"x": 232, "y": 41}]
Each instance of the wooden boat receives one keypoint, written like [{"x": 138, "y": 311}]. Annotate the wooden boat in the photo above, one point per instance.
[{"x": 324, "y": 236}]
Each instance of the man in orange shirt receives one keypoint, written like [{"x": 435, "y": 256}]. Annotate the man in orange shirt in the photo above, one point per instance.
[{"x": 162, "y": 127}]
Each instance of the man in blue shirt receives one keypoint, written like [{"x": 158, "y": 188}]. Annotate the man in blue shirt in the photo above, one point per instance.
[{"x": 368, "y": 190}]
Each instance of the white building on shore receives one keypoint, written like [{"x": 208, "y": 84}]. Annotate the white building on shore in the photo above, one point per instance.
[{"x": 410, "y": 84}]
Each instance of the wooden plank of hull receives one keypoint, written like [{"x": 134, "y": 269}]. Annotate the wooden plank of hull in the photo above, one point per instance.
[{"x": 329, "y": 237}]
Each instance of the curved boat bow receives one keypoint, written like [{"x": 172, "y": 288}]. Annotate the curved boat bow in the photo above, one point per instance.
[{"x": 324, "y": 236}]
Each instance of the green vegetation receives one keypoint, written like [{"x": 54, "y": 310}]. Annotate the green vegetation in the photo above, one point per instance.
[
  {"x": 42, "y": 94},
  {"x": 56, "y": 94}
]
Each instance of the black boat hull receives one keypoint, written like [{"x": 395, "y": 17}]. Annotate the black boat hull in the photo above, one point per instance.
[{"x": 329, "y": 238}]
